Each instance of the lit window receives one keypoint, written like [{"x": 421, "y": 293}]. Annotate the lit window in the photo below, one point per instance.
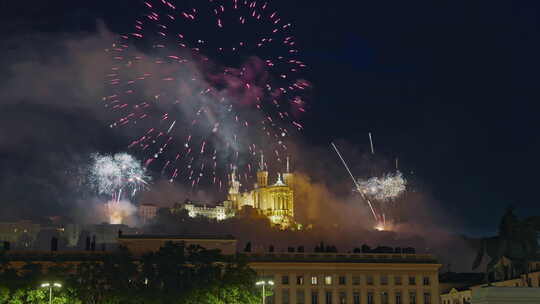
[
  {"x": 300, "y": 280},
  {"x": 384, "y": 280},
  {"x": 356, "y": 280},
  {"x": 426, "y": 281},
  {"x": 328, "y": 280},
  {"x": 342, "y": 280},
  {"x": 313, "y": 280}
]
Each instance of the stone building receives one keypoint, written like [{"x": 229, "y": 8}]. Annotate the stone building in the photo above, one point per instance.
[
  {"x": 273, "y": 200},
  {"x": 21, "y": 234},
  {"x": 339, "y": 278},
  {"x": 147, "y": 212}
]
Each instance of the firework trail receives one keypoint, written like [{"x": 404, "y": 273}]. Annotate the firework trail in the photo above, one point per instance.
[
  {"x": 355, "y": 182},
  {"x": 376, "y": 191},
  {"x": 215, "y": 84}
]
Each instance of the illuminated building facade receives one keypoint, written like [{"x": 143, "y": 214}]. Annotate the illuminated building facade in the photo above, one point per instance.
[
  {"x": 218, "y": 212},
  {"x": 275, "y": 201},
  {"x": 343, "y": 278}
]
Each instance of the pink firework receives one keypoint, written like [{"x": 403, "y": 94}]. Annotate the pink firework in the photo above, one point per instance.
[{"x": 208, "y": 88}]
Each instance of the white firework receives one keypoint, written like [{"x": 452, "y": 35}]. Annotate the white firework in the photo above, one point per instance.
[
  {"x": 388, "y": 187},
  {"x": 117, "y": 173}
]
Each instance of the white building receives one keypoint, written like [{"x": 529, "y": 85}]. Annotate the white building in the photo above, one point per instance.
[{"x": 218, "y": 212}]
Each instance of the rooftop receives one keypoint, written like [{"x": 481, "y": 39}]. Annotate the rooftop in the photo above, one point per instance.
[
  {"x": 470, "y": 278},
  {"x": 310, "y": 257},
  {"x": 178, "y": 236}
]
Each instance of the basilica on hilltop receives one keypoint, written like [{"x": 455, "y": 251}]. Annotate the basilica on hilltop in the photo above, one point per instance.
[{"x": 273, "y": 200}]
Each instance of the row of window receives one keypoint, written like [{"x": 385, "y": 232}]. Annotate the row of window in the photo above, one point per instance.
[
  {"x": 369, "y": 297},
  {"x": 342, "y": 280}
]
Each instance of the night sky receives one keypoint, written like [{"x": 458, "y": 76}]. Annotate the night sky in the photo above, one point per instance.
[{"x": 450, "y": 87}]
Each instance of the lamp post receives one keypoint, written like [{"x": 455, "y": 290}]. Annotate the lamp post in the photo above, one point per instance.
[
  {"x": 51, "y": 286},
  {"x": 263, "y": 284}
]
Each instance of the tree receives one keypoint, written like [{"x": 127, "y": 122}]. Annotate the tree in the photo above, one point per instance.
[{"x": 175, "y": 274}]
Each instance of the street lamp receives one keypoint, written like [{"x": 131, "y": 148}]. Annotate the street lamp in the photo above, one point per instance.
[
  {"x": 51, "y": 286},
  {"x": 264, "y": 283}
]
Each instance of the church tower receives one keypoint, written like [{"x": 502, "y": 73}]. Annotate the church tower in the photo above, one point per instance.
[
  {"x": 234, "y": 190},
  {"x": 262, "y": 174},
  {"x": 288, "y": 177}
]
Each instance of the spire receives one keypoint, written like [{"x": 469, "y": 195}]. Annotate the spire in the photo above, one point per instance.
[
  {"x": 261, "y": 164},
  {"x": 233, "y": 175}
]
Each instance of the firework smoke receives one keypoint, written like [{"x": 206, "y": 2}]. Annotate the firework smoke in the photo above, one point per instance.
[
  {"x": 118, "y": 211},
  {"x": 221, "y": 83}
]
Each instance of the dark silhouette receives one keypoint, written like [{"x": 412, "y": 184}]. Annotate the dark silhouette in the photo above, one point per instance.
[
  {"x": 93, "y": 244},
  {"x": 516, "y": 243},
  {"x": 54, "y": 244},
  {"x": 248, "y": 247},
  {"x": 366, "y": 249}
]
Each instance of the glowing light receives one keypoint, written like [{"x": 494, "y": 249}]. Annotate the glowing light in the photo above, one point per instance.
[
  {"x": 118, "y": 176},
  {"x": 112, "y": 175}
]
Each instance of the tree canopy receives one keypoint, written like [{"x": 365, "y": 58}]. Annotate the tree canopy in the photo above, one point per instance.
[{"x": 174, "y": 274}]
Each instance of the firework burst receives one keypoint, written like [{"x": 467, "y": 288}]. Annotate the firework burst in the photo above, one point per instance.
[
  {"x": 385, "y": 188},
  {"x": 215, "y": 85},
  {"x": 117, "y": 175}
]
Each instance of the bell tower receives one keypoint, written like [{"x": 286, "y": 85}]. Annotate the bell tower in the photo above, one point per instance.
[
  {"x": 234, "y": 190},
  {"x": 262, "y": 174},
  {"x": 288, "y": 177}
]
